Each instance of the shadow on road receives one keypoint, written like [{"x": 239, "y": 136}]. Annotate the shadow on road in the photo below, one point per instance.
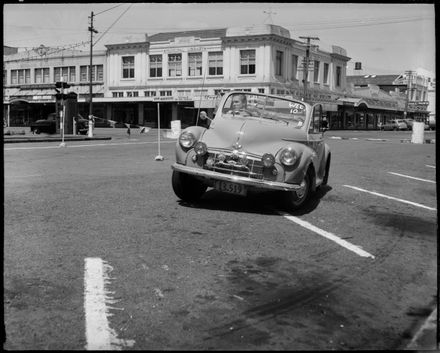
[{"x": 260, "y": 202}]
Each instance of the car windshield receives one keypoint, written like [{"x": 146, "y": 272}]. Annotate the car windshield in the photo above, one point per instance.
[{"x": 253, "y": 106}]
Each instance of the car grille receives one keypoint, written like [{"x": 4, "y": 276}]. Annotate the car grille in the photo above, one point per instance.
[{"x": 231, "y": 165}]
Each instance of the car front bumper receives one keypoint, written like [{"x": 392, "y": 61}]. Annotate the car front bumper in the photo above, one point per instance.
[{"x": 257, "y": 183}]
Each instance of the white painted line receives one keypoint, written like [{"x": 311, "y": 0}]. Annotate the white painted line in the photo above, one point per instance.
[
  {"x": 99, "y": 335},
  {"x": 392, "y": 198},
  {"x": 89, "y": 145},
  {"x": 429, "y": 325},
  {"x": 410, "y": 177},
  {"x": 325, "y": 234},
  {"x": 430, "y": 166}
]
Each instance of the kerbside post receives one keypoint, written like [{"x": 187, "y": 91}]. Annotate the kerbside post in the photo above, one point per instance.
[
  {"x": 158, "y": 157},
  {"x": 62, "y": 113}
]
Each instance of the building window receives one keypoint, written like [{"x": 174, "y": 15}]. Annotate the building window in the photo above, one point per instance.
[
  {"x": 21, "y": 76},
  {"x": 166, "y": 93},
  {"x": 279, "y": 63},
  {"x": 155, "y": 65},
  {"x": 118, "y": 94},
  {"x": 261, "y": 90},
  {"x": 247, "y": 62},
  {"x": 5, "y": 76},
  {"x": 41, "y": 75},
  {"x": 128, "y": 67},
  {"x": 174, "y": 65},
  {"x": 132, "y": 94},
  {"x": 338, "y": 76},
  {"x": 67, "y": 73},
  {"x": 294, "y": 75},
  {"x": 83, "y": 76},
  {"x": 150, "y": 93},
  {"x": 316, "y": 71},
  {"x": 325, "y": 79},
  {"x": 195, "y": 64},
  {"x": 97, "y": 73},
  {"x": 215, "y": 63}
]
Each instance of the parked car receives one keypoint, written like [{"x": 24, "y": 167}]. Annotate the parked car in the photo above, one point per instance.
[
  {"x": 409, "y": 123},
  {"x": 431, "y": 122},
  {"x": 266, "y": 142},
  {"x": 395, "y": 124},
  {"x": 45, "y": 125},
  {"x": 49, "y": 125}
]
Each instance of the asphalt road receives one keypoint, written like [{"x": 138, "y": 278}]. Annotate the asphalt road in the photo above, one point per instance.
[{"x": 356, "y": 269}]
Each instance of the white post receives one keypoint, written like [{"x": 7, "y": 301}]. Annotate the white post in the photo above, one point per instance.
[
  {"x": 418, "y": 130},
  {"x": 62, "y": 144},
  {"x": 158, "y": 157},
  {"x": 90, "y": 131}
]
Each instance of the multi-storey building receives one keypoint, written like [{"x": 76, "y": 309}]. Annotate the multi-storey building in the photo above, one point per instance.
[
  {"x": 187, "y": 71},
  {"x": 388, "y": 97},
  {"x": 29, "y": 81}
]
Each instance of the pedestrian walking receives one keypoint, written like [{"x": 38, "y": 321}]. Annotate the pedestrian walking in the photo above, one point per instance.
[{"x": 128, "y": 129}]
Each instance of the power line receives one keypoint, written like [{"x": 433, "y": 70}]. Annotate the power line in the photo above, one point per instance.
[
  {"x": 96, "y": 14},
  {"x": 112, "y": 24}
]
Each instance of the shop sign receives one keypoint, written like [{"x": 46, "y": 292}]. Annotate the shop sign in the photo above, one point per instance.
[{"x": 42, "y": 98}]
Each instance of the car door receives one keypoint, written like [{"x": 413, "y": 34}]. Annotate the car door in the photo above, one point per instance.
[{"x": 316, "y": 139}]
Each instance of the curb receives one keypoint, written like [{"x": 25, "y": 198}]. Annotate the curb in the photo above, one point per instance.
[
  {"x": 427, "y": 141},
  {"x": 20, "y": 139}
]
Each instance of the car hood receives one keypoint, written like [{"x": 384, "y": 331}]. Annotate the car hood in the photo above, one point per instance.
[{"x": 254, "y": 136}]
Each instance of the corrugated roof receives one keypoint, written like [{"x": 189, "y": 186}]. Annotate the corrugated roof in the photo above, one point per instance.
[
  {"x": 205, "y": 33},
  {"x": 372, "y": 79}
]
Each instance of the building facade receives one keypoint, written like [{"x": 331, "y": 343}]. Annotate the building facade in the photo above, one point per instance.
[{"x": 174, "y": 75}]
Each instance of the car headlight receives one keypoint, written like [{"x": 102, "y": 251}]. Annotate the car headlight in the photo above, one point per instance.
[
  {"x": 268, "y": 160},
  {"x": 187, "y": 139},
  {"x": 200, "y": 148},
  {"x": 288, "y": 157}
]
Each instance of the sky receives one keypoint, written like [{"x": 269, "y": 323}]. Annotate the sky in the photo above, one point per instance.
[{"x": 386, "y": 38}]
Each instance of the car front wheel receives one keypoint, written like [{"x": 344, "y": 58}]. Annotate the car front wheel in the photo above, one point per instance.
[
  {"x": 296, "y": 199},
  {"x": 37, "y": 131},
  {"x": 186, "y": 187}
]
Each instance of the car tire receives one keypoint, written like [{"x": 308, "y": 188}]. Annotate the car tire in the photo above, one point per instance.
[
  {"x": 186, "y": 187},
  {"x": 37, "y": 131},
  {"x": 327, "y": 171},
  {"x": 294, "y": 200}
]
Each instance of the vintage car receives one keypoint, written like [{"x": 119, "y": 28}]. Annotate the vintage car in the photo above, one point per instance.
[
  {"x": 273, "y": 143},
  {"x": 49, "y": 125}
]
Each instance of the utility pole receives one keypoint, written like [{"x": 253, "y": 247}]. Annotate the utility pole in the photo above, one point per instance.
[
  {"x": 92, "y": 30},
  {"x": 306, "y": 64}
]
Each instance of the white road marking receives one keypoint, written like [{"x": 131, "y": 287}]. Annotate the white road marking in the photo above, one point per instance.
[
  {"x": 410, "y": 177},
  {"x": 89, "y": 145},
  {"x": 429, "y": 325},
  {"x": 430, "y": 166},
  {"x": 392, "y": 198},
  {"x": 99, "y": 335},
  {"x": 328, "y": 235}
]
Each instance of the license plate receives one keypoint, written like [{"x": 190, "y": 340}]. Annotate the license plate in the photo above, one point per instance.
[{"x": 231, "y": 188}]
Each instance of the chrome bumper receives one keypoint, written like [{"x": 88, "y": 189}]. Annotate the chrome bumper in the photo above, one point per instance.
[{"x": 210, "y": 175}]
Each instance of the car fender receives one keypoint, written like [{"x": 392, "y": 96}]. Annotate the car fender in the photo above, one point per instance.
[{"x": 181, "y": 152}]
